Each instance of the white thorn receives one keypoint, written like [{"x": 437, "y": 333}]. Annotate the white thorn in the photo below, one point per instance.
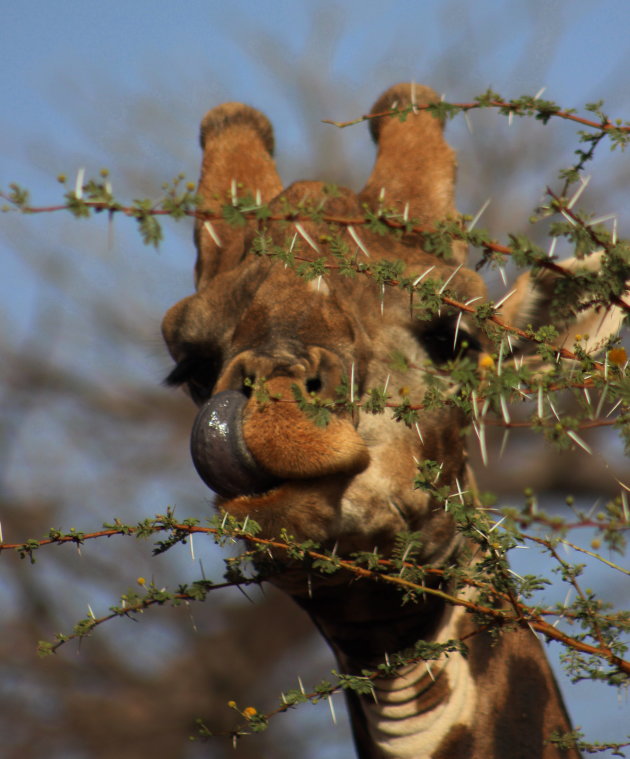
[
  {"x": 614, "y": 408},
  {"x": 224, "y": 520},
  {"x": 406, "y": 212},
  {"x": 428, "y": 666},
  {"x": 504, "y": 409},
  {"x": 601, "y": 219},
  {"x": 504, "y": 298},
  {"x": 473, "y": 397},
  {"x": 500, "y": 359},
  {"x": 494, "y": 527},
  {"x": 602, "y": 398},
  {"x": 192, "y": 548},
  {"x": 386, "y": 384},
  {"x": 506, "y": 435},
  {"x": 481, "y": 434},
  {"x": 584, "y": 182},
  {"x": 472, "y": 300},
  {"x": 332, "y": 710},
  {"x": 419, "y": 433},
  {"x": 357, "y": 239},
  {"x": 540, "y": 402},
  {"x": 613, "y": 238},
  {"x": 352, "y": 383},
  {"x": 452, "y": 274},
  {"x": 403, "y": 558},
  {"x": 213, "y": 233},
  {"x": 303, "y": 233},
  {"x": 540, "y": 92},
  {"x": 258, "y": 198},
  {"x": 381, "y": 195},
  {"x": 233, "y": 192},
  {"x": 502, "y": 275},
  {"x": 468, "y": 122},
  {"x": 553, "y": 408},
  {"x": 479, "y": 214},
  {"x": 457, "y": 323},
  {"x": 245, "y": 523},
  {"x": 90, "y": 612},
  {"x": 1, "y": 535},
  {"x": 510, "y": 118},
  {"x": 440, "y": 467},
  {"x": 577, "y": 439},
  {"x": 423, "y": 275},
  {"x": 301, "y": 684},
  {"x": 570, "y": 219},
  {"x": 567, "y": 597},
  {"x": 382, "y": 299},
  {"x": 552, "y": 247},
  {"x": 78, "y": 185},
  {"x": 460, "y": 492}
]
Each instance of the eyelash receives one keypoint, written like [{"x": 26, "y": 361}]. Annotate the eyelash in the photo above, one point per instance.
[{"x": 198, "y": 372}]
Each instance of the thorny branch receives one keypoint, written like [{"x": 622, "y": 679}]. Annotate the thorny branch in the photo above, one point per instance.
[
  {"x": 522, "y": 615},
  {"x": 600, "y": 635},
  {"x": 525, "y": 106}
]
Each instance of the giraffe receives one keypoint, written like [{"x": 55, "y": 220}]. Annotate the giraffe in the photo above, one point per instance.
[{"x": 348, "y": 484}]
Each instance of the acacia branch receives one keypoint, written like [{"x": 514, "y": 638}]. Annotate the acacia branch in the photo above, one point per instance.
[
  {"x": 506, "y": 106},
  {"x": 523, "y": 616}
]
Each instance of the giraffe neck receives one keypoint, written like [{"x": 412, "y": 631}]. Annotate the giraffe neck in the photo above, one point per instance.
[
  {"x": 499, "y": 702},
  {"x": 410, "y": 714}
]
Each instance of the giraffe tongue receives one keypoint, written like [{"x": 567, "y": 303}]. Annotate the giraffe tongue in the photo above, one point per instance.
[{"x": 219, "y": 452}]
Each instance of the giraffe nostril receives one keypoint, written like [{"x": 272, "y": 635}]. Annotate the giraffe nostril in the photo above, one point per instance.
[
  {"x": 247, "y": 386},
  {"x": 313, "y": 385}
]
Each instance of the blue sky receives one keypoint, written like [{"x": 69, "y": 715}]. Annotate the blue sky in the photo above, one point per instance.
[{"x": 71, "y": 69}]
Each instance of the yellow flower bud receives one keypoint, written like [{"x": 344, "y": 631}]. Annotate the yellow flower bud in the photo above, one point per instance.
[
  {"x": 617, "y": 356},
  {"x": 486, "y": 362},
  {"x": 249, "y": 712},
  {"x": 141, "y": 581}
]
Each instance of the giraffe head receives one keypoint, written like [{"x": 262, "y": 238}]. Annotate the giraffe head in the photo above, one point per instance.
[{"x": 257, "y": 339}]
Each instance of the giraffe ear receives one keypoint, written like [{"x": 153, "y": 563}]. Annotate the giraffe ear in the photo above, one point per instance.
[
  {"x": 548, "y": 297},
  {"x": 237, "y": 143}
]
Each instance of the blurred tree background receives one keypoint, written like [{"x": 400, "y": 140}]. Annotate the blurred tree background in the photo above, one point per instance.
[{"x": 88, "y": 433}]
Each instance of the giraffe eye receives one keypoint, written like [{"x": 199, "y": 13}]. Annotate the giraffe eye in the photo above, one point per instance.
[
  {"x": 198, "y": 372},
  {"x": 444, "y": 340}
]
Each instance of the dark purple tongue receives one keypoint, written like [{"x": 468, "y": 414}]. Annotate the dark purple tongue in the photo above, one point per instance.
[{"x": 219, "y": 452}]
